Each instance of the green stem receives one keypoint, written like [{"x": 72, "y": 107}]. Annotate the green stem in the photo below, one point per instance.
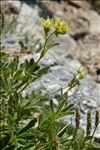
[
  {"x": 46, "y": 40},
  {"x": 42, "y": 50}
]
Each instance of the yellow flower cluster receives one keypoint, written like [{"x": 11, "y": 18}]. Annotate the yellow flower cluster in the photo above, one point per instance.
[{"x": 59, "y": 26}]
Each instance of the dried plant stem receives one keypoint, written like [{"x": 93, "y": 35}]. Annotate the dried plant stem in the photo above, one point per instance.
[
  {"x": 96, "y": 124},
  {"x": 88, "y": 130},
  {"x": 93, "y": 134}
]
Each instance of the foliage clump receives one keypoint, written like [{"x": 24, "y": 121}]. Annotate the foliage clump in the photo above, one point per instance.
[{"x": 33, "y": 121}]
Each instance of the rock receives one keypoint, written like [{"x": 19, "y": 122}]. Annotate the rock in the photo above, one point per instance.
[
  {"x": 10, "y": 39},
  {"x": 4, "y": 6},
  {"x": 29, "y": 21},
  {"x": 10, "y": 6},
  {"x": 48, "y": 61},
  {"x": 15, "y": 6},
  {"x": 93, "y": 18},
  {"x": 11, "y": 43},
  {"x": 80, "y": 4},
  {"x": 57, "y": 77},
  {"x": 88, "y": 52},
  {"x": 87, "y": 95}
]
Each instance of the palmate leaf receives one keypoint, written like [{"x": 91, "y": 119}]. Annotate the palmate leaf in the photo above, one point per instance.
[
  {"x": 64, "y": 109},
  {"x": 33, "y": 104},
  {"x": 62, "y": 114},
  {"x": 61, "y": 106},
  {"x": 67, "y": 108},
  {"x": 33, "y": 101}
]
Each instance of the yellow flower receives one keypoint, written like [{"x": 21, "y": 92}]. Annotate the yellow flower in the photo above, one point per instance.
[
  {"x": 60, "y": 27},
  {"x": 47, "y": 23}
]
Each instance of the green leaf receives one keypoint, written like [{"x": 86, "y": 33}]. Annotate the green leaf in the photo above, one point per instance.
[
  {"x": 69, "y": 107},
  {"x": 42, "y": 71},
  {"x": 62, "y": 114},
  {"x": 52, "y": 105},
  {"x": 10, "y": 120},
  {"x": 4, "y": 140},
  {"x": 43, "y": 118},
  {"x": 18, "y": 75},
  {"x": 60, "y": 106},
  {"x": 52, "y": 45},
  {"x": 93, "y": 145},
  {"x": 76, "y": 145},
  {"x": 28, "y": 126},
  {"x": 21, "y": 141},
  {"x": 80, "y": 135},
  {"x": 26, "y": 135},
  {"x": 63, "y": 130},
  {"x": 31, "y": 62}
]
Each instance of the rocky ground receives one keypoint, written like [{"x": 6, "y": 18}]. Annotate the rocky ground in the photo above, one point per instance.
[{"x": 80, "y": 47}]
